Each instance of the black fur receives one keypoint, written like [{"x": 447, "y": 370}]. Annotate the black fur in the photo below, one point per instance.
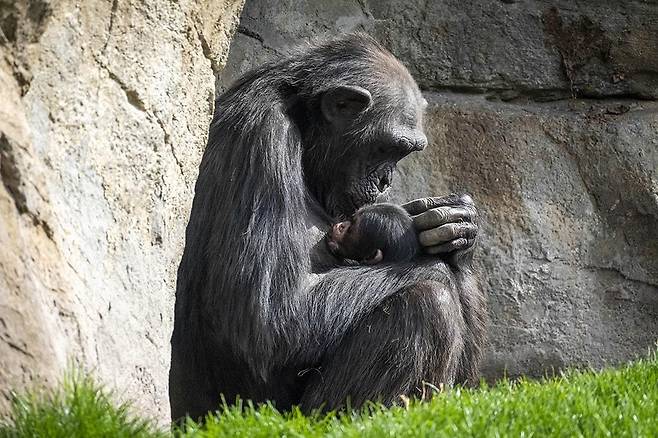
[
  {"x": 251, "y": 318},
  {"x": 377, "y": 227}
]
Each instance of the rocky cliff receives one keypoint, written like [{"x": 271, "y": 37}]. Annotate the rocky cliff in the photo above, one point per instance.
[{"x": 104, "y": 112}]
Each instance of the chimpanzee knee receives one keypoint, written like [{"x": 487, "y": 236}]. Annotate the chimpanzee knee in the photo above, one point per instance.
[{"x": 410, "y": 344}]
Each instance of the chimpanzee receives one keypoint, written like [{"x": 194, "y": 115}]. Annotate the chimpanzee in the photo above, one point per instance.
[
  {"x": 375, "y": 233},
  {"x": 294, "y": 146}
]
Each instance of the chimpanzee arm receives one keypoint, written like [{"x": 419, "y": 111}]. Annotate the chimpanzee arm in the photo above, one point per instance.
[
  {"x": 343, "y": 296},
  {"x": 447, "y": 226}
]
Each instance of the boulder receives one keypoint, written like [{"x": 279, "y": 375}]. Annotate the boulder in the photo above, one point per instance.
[{"x": 104, "y": 113}]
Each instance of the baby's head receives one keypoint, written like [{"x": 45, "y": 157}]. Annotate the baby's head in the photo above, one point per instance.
[{"x": 375, "y": 233}]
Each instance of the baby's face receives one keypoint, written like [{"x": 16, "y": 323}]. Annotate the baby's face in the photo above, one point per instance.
[{"x": 343, "y": 239}]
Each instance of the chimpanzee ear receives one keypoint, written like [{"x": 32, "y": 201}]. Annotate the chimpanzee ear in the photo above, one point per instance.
[
  {"x": 375, "y": 258},
  {"x": 344, "y": 103}
]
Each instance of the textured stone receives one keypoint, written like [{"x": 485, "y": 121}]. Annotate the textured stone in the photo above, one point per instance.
[
  {"x": 104, "y": 111},
  {"x": 569, "y": 202},
  {"x": 547, "y": 49},
  {"x": 543, "y": 49},
  {"x": 568, "y": 189}
]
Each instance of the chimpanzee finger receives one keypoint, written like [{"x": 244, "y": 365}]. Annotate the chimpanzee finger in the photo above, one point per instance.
[
  {"x": 451, "y": 246},
  {"x": 421, "y": 205},
  {"x": 466, "y": 199},
  {"x": 442, "y": 215},
  {"x": 446, "y": 233}
]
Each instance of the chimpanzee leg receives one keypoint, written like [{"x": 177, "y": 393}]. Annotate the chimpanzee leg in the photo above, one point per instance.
[{"x": 413, "y": 339}]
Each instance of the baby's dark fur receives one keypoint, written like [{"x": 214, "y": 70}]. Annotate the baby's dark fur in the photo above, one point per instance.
[{"x": 375, "y": 233}]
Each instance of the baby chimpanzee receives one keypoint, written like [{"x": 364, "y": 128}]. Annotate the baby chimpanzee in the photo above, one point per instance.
[{"x": 375, "y": 233}]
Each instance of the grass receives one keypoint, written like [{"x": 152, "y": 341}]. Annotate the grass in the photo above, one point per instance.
[
  {"x": 79, "y": 408},
  {"x": 614, "y": 402}
]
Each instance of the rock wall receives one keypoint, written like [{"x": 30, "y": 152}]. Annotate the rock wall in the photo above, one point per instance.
[
  {"x": 546, "y": 112},
  {"x": 104, "y": 112}
]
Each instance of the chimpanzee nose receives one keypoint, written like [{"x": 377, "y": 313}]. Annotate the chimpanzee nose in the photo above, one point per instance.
[{"x": 413, "y": 142}]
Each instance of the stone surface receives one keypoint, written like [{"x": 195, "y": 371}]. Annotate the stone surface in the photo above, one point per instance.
[
  {"x": 568, "y": 189},
  {"x": 569, "y": 198},
  {"x": 104, "y": 111},
  {"x": 544, "y": 49}
]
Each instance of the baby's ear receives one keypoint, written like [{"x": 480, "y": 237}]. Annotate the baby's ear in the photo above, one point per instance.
[{"x": 375, "y": 258}]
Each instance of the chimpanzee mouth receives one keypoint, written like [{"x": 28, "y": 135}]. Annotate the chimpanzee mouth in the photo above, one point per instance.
[
  {"x": 383, "y": 178},
  {"x": 376, "y": 184},
  {"x": 332, "y": 246},
  {"x": 366, "y": 191},
  {"x": 384, "y": 183}
]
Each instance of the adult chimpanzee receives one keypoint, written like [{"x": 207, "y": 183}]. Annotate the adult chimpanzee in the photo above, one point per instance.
[
  {"x": 375, "y": 233},
  {"x": 294, "y": 145}
]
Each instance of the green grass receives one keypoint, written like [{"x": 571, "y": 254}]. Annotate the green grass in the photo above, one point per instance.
[
  {"x": 615, "y": 402},
  {"x": 79, "y": 408}
]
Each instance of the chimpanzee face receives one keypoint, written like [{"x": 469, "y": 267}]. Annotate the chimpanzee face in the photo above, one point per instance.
[{"x": 367, "y": 132}]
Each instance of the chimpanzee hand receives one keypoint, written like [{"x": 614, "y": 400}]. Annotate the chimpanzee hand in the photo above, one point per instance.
[{"x": 447, "y": 225}]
